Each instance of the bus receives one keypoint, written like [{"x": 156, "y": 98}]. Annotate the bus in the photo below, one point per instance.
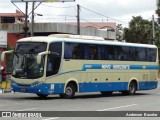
[{"x": 66, "y": 64}]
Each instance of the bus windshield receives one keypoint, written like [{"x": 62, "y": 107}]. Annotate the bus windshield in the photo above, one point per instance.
[{"x": 25, "y": 60}]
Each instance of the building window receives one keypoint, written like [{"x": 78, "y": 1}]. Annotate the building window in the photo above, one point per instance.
[{"x": 7, "y": 19}]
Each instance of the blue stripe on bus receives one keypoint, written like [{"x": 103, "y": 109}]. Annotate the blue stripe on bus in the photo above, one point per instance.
[
  {"x": 114, "y": 67},
  {"x": 83, "y": 87},
  {"x": 119, "y": 67}
]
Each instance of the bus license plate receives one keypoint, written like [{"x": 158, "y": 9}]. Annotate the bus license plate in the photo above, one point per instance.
[{"x": 23, "y": 89}]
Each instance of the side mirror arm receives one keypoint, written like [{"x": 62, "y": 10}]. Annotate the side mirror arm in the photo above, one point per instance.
[
  {"x": 39, "y": 56},
  {"x": 4, "y": 53}
]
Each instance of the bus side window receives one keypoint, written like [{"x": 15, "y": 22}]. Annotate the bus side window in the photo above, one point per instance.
[
  {"x": 99, "y": 51},
  {"x": 86, "y": 52},
  {"x": 153, "y": 54},
  {"x": 67, "y": 51},
  {"x": 104, "y": 53},
  {"x": 75, "y": 51},
  {"x": 54, "y": 59},
  {"x": 93, "y": 52}
]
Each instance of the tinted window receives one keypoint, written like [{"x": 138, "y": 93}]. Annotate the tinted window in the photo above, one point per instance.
[
  {"x": 54, "y": 59},
  {"x": 30, "y": 47},
  {"x": 108, "y": 52}
]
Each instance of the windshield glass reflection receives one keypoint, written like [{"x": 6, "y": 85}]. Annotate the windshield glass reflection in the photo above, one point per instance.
[{"x": 25, "y": 60}]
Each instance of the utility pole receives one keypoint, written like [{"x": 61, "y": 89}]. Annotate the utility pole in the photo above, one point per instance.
[
  {"x": 32, "y": 29},
  {"x": 153, "y": 30},
  {"x": 25, "y": 28},
  {"x": 78, "y": 19}
]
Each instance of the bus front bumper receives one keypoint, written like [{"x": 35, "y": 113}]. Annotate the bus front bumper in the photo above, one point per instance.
[{"x": 42, "y": 88}]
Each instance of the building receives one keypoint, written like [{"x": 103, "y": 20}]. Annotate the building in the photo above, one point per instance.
[
  {"x": 12, "y": 17},
  {"x": 12, "y": 24},
  {"x": 105, "y": 26}
]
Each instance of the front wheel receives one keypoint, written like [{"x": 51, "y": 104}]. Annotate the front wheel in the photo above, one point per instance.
[{"x": 69, "y": 92}]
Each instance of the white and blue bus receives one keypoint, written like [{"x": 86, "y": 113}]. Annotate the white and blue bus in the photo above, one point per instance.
[{"x": 66, "y": 64}]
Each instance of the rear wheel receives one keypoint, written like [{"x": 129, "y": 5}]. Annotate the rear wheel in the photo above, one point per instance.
[
  {"x": 132, "y": 89},
  {"x": 69, "y": 92}
]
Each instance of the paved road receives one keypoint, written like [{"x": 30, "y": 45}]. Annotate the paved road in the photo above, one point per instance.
[{"x": 142, "y": 101}]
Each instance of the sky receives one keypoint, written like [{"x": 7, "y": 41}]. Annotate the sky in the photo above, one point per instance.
[{"x": 119, "y": 11}]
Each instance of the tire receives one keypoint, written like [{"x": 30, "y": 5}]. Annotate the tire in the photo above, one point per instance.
[
  {"x": 69, "y": 92},
  {"x": 132, "y": 88},
  {"x": 106, "y": 93},
  {"x": 42, "y": 95}
]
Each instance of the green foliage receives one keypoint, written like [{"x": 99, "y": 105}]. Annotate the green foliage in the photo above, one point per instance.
[
  {"x": 157, "y": 32},
  {"x": 139, "y": 31},
  {"x": 158, "y": 10},
  {"x": 9, "y": 47},
  {"x": 119, "y": 32}
]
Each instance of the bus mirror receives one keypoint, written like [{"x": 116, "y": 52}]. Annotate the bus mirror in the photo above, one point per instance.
[
  {"x": 4, "y": 53},
  {"x": 39, "y": 56}
]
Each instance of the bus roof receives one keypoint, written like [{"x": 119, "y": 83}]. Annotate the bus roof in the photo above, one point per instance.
[{"x": 81, "y": 39}]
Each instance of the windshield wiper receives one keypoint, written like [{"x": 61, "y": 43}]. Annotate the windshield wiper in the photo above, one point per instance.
[{"x": 15, "y": 53}]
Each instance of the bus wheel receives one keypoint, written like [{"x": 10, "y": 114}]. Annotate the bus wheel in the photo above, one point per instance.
[
  {"x": 132, "y": 88},
  {"x": 69, "y": 92},
  {"x": 42, "y": 95},
  {"x": 106, "y": 93}
]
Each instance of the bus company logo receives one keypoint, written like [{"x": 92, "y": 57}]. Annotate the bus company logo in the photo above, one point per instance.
[
  {"x": 121, "y": 67},
  {"x": 117, "y": 67},
  {"x": 106, "y": 66},
  {"x": 6, "y": 114}
]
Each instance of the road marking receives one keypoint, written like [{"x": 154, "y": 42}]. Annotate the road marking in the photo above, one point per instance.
[
  {"x": 51, "y": 118},
  {"x": 117, "y": 107},
  {"x": 27, "y": 109}
]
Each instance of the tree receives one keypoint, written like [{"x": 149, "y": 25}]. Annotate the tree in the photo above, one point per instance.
[
  {"x": 139, "y": 31},
  {"x": 119, "y": 32},
  {"x": 158, "y": 10},
  {"x": 157, "y": 31}
]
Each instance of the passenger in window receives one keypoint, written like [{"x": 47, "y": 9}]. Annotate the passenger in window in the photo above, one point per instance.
[
  {"x": 93, "y": 53},
  {"x": 75, "y": 53}
]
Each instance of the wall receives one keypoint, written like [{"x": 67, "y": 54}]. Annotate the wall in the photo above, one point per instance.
[
  {"x": 12, "y": 38},
  {"x": 57, "y": 28}
]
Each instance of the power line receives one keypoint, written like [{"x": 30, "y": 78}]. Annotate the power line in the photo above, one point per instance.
[
  {"x": 57, "y": 7},
  {"x": 88, "y": 21},
  {"x": 87, "y": 10},
  {"x": 103, "y": 15},
  {"x": 60, "y": 15}
]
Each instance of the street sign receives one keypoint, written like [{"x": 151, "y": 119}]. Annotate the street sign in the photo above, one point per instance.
[{"x": 42, "y": 0}]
